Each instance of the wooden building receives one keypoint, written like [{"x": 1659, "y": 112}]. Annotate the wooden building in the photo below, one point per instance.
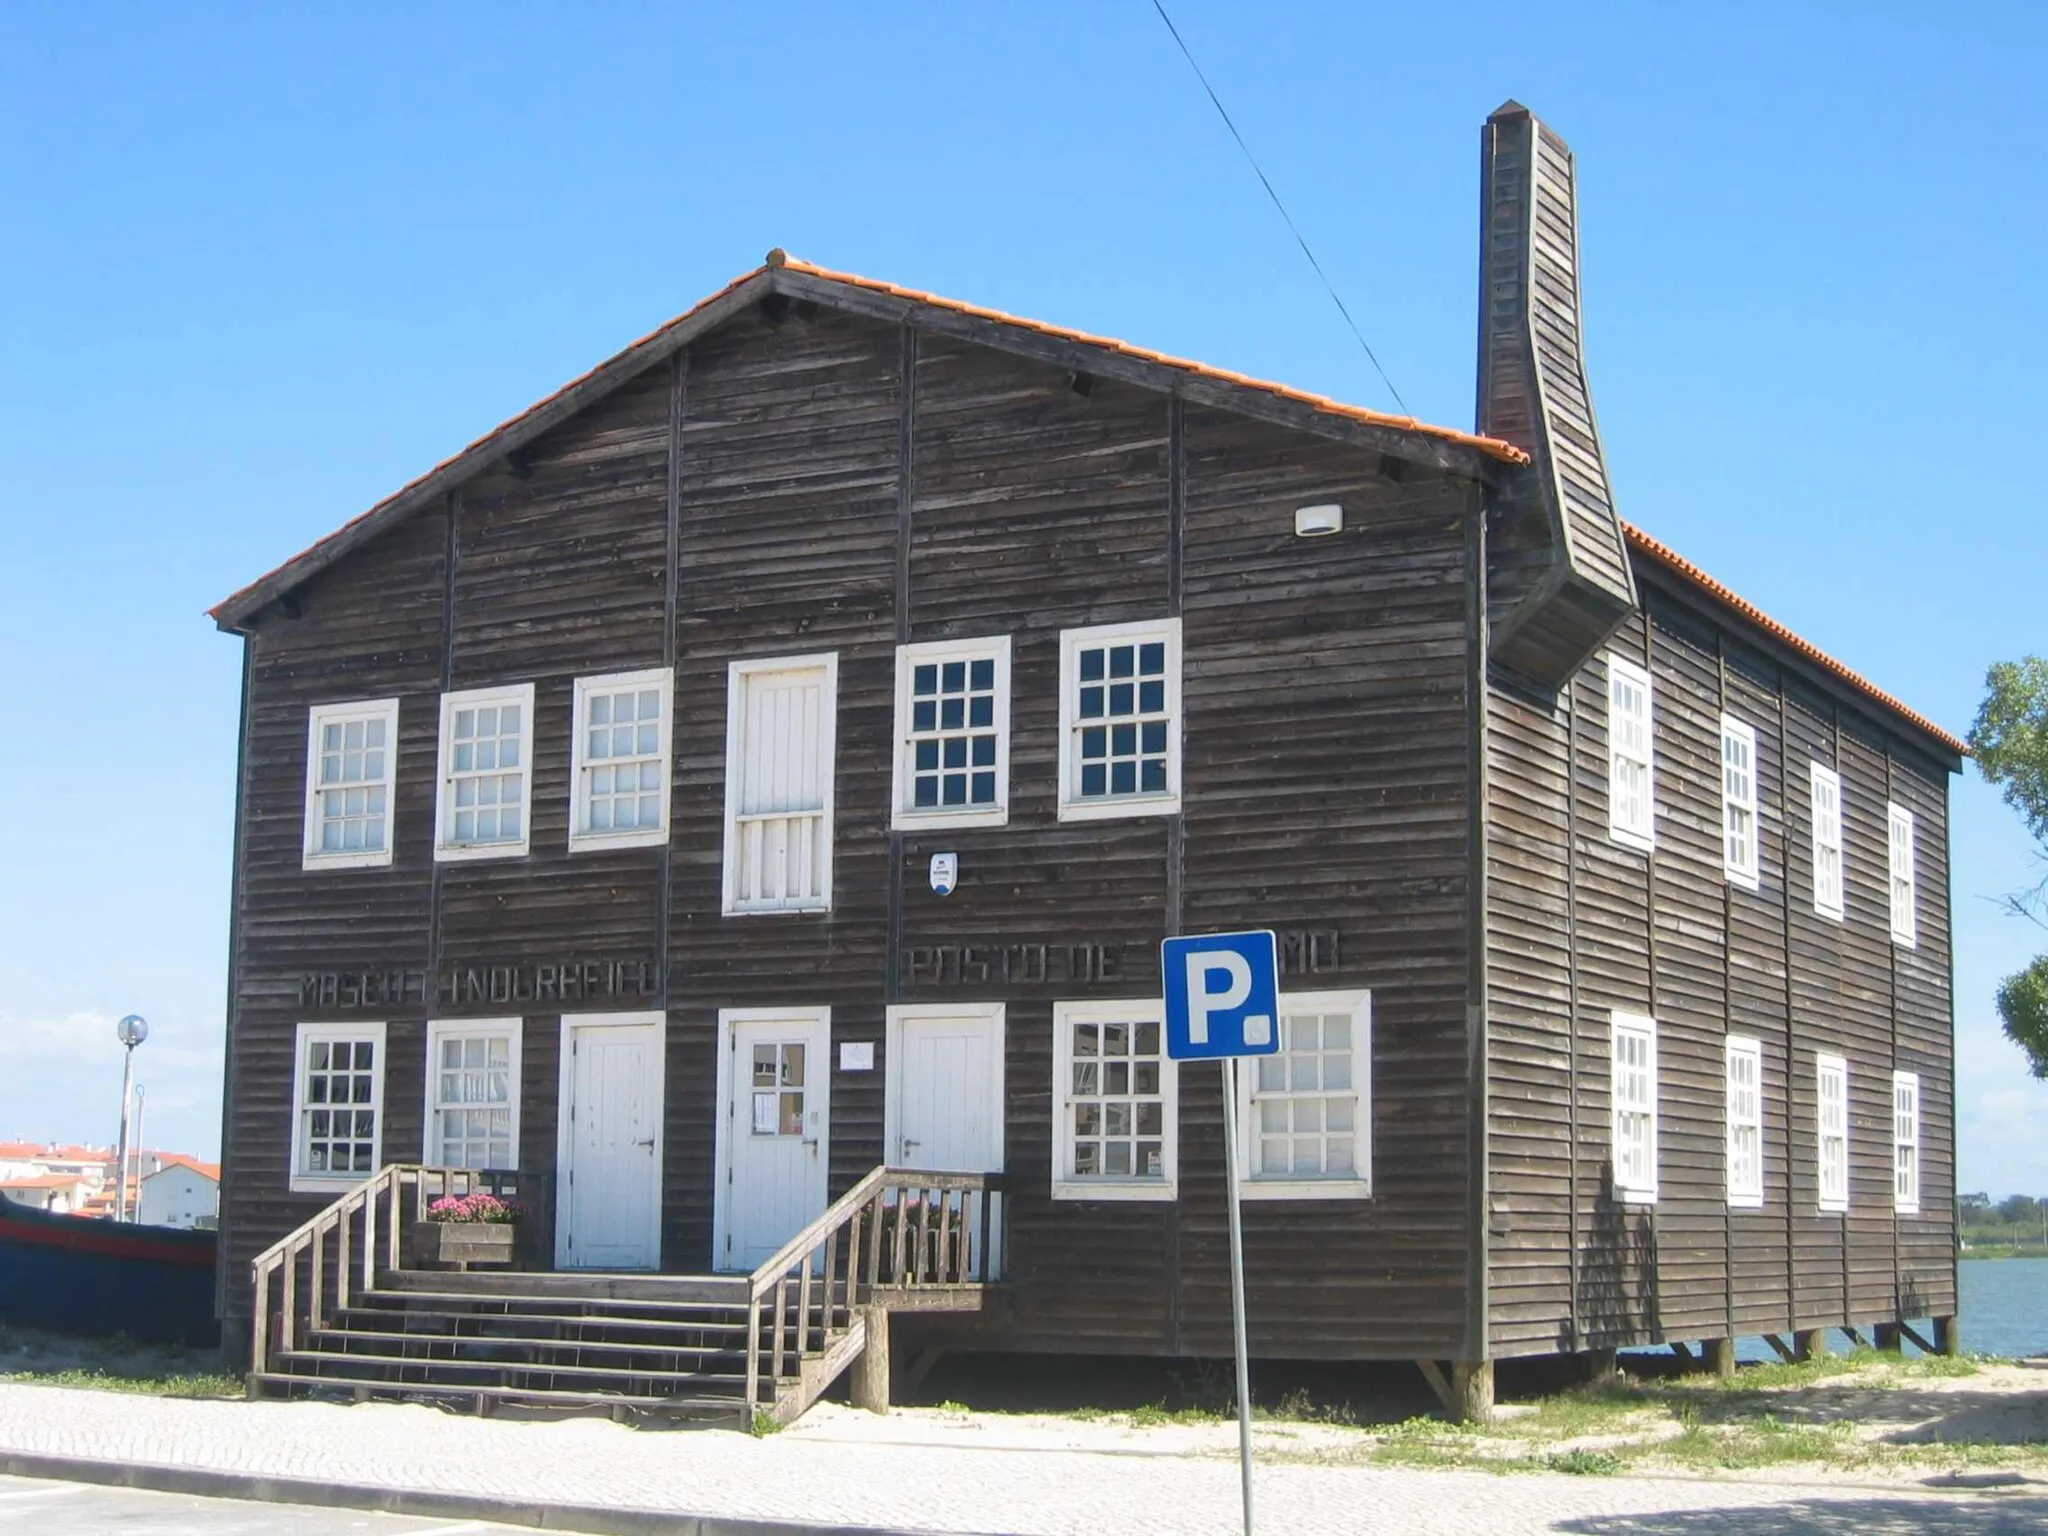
[{"x": 593, "y": 796}]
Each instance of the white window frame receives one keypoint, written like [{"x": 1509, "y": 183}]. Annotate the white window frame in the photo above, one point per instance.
[
  {"x": 1823, "y": 782},
  {"x": 1904, "y": 860},
  {"x": 1744, "y": 1192},
  {"x": 1740, "y": 841},
  {"x": 1066, "y": 1185},
  {"x": 737, "y": 674},
  {"x": 1644, "y": 837},
  {"x": 307, "y": 1035},
  {"x": 1640, "y": 1191},
  {"x": 1906, "y": 1143},
  {"x": 1833, "y": 1194},
  {"x": 1358, "y": 1186},
  {"x": 318, "y": 717},
  {"x": 907, "y": 816},
  {"x": 581, "y": 839},
  {"x": 1072, "y": 643},
  {"x": 439, "y": 1030},
  {"x": 446, "y": 850}
]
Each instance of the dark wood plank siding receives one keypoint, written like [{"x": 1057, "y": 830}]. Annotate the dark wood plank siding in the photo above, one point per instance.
[
  {"x": 1667, "y": 935},
  {"x": 807, "y": 503}
]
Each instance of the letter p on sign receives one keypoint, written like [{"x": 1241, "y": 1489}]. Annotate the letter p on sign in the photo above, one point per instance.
[{"x": 1222, "y": 995}]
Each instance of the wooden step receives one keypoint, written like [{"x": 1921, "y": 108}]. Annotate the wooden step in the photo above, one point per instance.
[
  {"x": 297, "y": 1357},
  {"x": 509, "y": 1324},
  {"x": 526, "y": 1285},
  {"x": 554, "y": 1305},
  {"x": 337, "y": 1340},
  {"x": 704, "y": 1407}
]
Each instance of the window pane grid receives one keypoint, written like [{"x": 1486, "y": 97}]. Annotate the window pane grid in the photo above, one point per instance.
[
  {"x": 1116, "y": 1100},
  {"x": 1635, "y": 1109},
  {"x": 1745, "y": 1121},
  {"x": 1304, "y": 1102},
  {"x": 351, "y": 785},
  {"x": 954, "y": 723},
  {"x": 1122, "y": 725},
  {"x": 486, "y": 773},
  {"x": 338, "y": 1134},
  {"x": 622, "y": 760},
  {"x": 1631, "y": 809},
  {"x": 1738, "y": 798},
  {"x": 1832, "y": 1080},
  {"x": 1906, "y": 1141},
  {"x": 1827, "y": 842},
  {"x": 778, "y": 1088},
  {"x": 1904, "y": 876},
  {"x": 473, "y": 1091}
]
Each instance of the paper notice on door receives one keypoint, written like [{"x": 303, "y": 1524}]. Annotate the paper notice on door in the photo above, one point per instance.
[{"x": 764, "y": 1114}]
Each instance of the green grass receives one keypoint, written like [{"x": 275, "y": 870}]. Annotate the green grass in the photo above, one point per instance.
[{"x": 174, "y": 1384}]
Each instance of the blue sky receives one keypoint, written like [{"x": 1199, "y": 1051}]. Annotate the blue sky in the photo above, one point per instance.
[{"x": 263, "y": 265}]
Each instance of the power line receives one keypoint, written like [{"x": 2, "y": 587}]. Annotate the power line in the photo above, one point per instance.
[{"x": 1252, "y": 159}]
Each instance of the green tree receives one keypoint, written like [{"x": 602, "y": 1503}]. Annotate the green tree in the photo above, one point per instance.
[
  {"x": 2015, "y": 1209},
  {"x": 2010, "y": 740},
  {"x": 1973, "y": 1207}
]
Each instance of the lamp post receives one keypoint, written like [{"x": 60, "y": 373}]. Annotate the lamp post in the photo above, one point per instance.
[
  {"x": 141, "y": 1149},
  {"x": 131, "y": 1032}
]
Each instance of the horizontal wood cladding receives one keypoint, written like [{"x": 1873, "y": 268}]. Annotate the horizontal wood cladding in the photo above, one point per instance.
[
  {"x": 1666, "y": 934},
  {"x": 816, "y": 483}
]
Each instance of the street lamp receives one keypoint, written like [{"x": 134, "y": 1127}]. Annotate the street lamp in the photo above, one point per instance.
[{"x": 131, "y": 1032}]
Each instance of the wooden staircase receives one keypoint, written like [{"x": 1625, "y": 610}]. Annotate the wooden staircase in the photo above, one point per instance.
[{"x": 339, "y": 1313}]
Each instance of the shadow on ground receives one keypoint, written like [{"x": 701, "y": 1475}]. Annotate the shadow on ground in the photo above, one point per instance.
[{"x": 2000, "y": 1515}]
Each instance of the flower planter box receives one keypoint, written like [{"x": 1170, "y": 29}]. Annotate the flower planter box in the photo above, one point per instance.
[{"x": 459, "y": 1244}]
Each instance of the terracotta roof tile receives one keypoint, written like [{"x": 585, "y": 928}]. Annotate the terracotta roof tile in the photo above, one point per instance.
[{"x": 1672, "y": 560}]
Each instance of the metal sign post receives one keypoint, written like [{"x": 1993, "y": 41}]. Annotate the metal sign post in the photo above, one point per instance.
[{"x": 1223, "y": 1002}]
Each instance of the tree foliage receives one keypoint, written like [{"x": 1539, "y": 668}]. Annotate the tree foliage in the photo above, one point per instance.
[{"x": 2010, "y": 740}]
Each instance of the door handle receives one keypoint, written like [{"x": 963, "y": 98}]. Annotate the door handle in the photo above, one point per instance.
[
  {"x": 910, "y": 1142},
  {"x": 811, "y": 1142},
  {"x": 648, "y": 1143}
]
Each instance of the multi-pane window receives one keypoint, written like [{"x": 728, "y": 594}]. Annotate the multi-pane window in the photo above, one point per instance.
[
  {"x": 1303, "y": 1111},
  {"x": 780, "y": 722},
  {"x": 1905, "y": 873},
  {"x": 337, "y": 1104},
  {"x": 473, "y": 1093},
  {"x": 1738, "y": 802},
  {"x": 1745, "y": 1111},
  {"x": 1631, "y": 777},
  {"x": 619, "y": 767},
  {"x": 952, "y": 733},
  {"x": 1116, "y": 1110},
  {"x": 1827, "y": 841},
  {"x": 1634, "y": 1106},
  {"x": 1120, "y": 720},
  {"x": 486, "y": 773},
  {"x": 1906, "y": 1142},
  {"x": 1831, "y": 1124},
  {"x": 351, "y": 763}
]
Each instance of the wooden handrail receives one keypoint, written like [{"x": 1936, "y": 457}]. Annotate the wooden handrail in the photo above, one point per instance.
[
  {"x": 345, "y": 1246},
  {"x": 864, "y": 1246}
]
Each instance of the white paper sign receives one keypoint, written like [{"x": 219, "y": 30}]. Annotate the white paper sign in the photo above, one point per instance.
[
  {"x": 856, "y": 1055},
  {"x": 764, "y": 1114}
]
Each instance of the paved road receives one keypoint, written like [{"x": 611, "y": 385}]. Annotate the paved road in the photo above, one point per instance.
[{"x": 33, "y": 1507}]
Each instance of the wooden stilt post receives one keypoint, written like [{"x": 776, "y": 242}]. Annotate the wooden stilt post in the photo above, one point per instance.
[
  {"x": 1887, "y": 1337},
  {"x": 1596, "y": 1364},
  {"x": 1472, "y": 1384},
  {"x": 1948, "y": 1335},
  {"x": 1720, "y": 1354},
  {"x": 871, "y": 1368},
  {"x": 1810, "y": 1343}
]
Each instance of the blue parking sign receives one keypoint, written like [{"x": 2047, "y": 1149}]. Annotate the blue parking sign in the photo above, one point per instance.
[{"x": 1222, "y": 995}]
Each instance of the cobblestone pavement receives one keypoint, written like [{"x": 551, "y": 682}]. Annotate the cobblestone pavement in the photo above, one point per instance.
[
  {"x": 34, "y": 1507},
  {"x": 931, "y": 1485}
]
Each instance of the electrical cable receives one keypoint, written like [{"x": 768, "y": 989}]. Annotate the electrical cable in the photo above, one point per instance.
[{"x": 1252, "y": 159}]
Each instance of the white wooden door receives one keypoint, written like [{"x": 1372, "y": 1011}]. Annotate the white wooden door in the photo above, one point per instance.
[
  {"x": 608, "y": 1195},
  {"x": 773, "y": 1141},
  {"x": 943, "y": 1100},
  {"x": 779, "y": 785}
]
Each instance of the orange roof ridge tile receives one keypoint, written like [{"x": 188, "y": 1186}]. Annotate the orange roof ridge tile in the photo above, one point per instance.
[{"x": 1666, "y": 556}]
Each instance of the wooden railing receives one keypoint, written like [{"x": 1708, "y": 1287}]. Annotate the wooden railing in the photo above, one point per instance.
[
  {"x": 308, "y": 1275},
  {"x": 897, "y": 1233}
]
